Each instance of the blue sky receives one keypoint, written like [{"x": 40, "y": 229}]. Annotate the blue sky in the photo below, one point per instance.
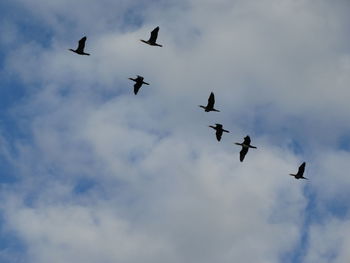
[{"x": 92, "y": 173}]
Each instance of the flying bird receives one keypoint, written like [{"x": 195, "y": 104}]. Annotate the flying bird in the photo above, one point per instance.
[
  {"x": 210, "y": 105},
  {"x": 245, "y": 147},
  {"x": 219, "y": 130},
  {"x": 300, "y": 173},
  {"x": 138, "y": 83},
  {"x": 153, "y": 38},
  {"x": 80, "y": 48}
]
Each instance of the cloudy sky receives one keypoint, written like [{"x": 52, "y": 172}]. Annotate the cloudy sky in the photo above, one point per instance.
[{"x": 92, "y": 173}]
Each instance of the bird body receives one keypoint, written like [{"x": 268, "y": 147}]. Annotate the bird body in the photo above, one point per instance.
[
  {"x": 80, "y": 48},
  {"x": 138, "y": 83},
  {"x": 210, "y": 105},
  {"x": 300, "y": 172},
  {"x": 245, "y": 147},
  {"x": 219, "y": 130},
  {"x": 153, "y": 38}
]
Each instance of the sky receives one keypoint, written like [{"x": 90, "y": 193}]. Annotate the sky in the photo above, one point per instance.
[{"x": 92, "y": 173}]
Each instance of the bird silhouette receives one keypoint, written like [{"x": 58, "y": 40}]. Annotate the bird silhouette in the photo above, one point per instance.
[
  {"x": 300, "y": 173},
  {"x": 80, "y": 48},
  {"x": 138, "y": 83},
  {"x": 210, "y": 105},
  {"x": 245, "y": 147},
  {"x": 219, "y": 130},
  {"x": 153, "y": 38}
]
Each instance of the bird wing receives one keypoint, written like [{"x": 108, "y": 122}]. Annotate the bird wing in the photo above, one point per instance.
[
  {"x": 154, "y": 35},
  {"x": 301, "y": 169},
  {"x": 246, "y": 140},
  {"x": 211, "y": 101},
  {"x": 242, "y": 153},
  {"x": 137, "y": 86},
  {"x": 218, "y": 134},
  {"x": 139, "y": 78},
  {"x": 81, "y": 44}
]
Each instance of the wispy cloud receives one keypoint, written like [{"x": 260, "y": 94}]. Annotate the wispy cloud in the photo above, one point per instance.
[{"x": 105, "y": 176}]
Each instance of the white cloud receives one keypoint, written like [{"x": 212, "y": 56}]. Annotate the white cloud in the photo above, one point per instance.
[
  {"x": 165, "y": 189},
  {"x": 329, "y": 242}
]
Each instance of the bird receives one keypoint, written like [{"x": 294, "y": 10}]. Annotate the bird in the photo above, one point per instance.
[
  {"x": 245, "y": 147},
  {"x": 138, "y": 83},
  {"x": 300, "y": 173},
  {"x": 81, "y": 46},
  {"x": 219, "y": 130},
  {"x": 210, "y": 105},
  {"x": 153, "y": 38}
]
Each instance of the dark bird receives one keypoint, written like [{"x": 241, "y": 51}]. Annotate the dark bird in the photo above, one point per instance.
[
  {"x": 153, "y": 38},
  {"x": 81, "y": 46},
  {"x": 138, "y": 83},
  {"x": 245, "y": 147},
  {"x": 210, "y": 105},
  {"x": 219, "y": 130},
  {"x": 300, "y": 173}
]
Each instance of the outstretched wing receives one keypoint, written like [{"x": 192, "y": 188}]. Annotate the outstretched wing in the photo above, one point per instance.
[
  {"x": 81, "y": 45},
  {"x": 154, "y": 35},
  {"x": 242, "y": 153},
  {"x": 137, "y": 86},
  {"x": 211, "y": 101},
  {"x": 139, "y": 78},
  {"x": 218, "y": 134},
  {"x": 246, "y": 140},
  {"x": 301, "y": 169}
]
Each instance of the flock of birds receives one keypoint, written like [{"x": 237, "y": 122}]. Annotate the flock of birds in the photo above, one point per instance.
[{"x": 152, "y": 41}]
